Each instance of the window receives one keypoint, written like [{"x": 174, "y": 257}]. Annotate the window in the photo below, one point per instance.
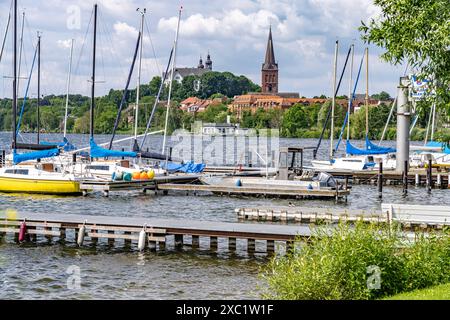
[
  {"x": 17, "y": 171},
  {"x": 97, "y": 167}
]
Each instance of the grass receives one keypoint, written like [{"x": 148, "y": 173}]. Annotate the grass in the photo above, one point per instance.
[{"x": 440, "y": 292}]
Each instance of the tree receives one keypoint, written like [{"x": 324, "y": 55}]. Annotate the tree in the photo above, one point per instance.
[
  {"x": 383, "y": 96},
  {"x": 417, "y": 33},
  {"x": 294, "y": 119}
]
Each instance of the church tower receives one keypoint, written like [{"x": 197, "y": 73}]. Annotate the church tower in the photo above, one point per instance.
[
  {"x": 208, "y": 63},
  {"x": 269, "y": 71}
]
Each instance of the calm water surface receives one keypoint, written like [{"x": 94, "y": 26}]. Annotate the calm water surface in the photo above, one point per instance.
[{"x": 40, "y": 272}]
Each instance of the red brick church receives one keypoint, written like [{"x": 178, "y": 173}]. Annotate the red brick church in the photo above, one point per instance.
[{"x": 269, "y": 71}]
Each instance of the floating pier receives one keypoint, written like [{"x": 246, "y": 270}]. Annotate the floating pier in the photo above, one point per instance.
[
  {"x": 408, "y": 216},
  {"x": 128, "y": 229},
  {"x": 105, "y": 186},
  {"x": 309, "y": 215},
  {"x": 259, "y": 191}
]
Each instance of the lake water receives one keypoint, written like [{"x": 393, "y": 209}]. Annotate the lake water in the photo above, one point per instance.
[{"x": 41, "y": 272}]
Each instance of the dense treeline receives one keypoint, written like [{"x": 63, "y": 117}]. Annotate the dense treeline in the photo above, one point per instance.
[{"x": 52, "y": 107}]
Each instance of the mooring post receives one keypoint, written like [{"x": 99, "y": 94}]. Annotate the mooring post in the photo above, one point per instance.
[
  {"x": 405, "y": 178},
  {"x": 429, "y": 172},
  {"x": 403, "y": 124},
  {"x": 62, "y": 233},
  {"x": 251, "y": 245},
  {"x": 380, "y": 177},
  {"x": 270, "y": 246},
  {"x": 417, "y": 180}
]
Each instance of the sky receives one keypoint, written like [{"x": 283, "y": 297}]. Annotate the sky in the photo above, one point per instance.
[{"x": 234, "y": 32}]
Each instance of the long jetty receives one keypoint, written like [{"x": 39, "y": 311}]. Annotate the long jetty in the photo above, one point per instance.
[{"x": 55, "y": 226}]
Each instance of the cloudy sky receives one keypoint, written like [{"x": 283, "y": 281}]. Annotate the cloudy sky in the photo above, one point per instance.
[{"x": 233, "y": 31}]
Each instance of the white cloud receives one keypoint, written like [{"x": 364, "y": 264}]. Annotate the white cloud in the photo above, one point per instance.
[{"x": 234, "y": 31}]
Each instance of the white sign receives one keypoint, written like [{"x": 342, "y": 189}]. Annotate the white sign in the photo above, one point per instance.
[{"x": 419, "y": 88}]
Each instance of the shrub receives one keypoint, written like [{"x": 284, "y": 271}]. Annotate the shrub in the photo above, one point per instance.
[{"x": 336, "y": 262}]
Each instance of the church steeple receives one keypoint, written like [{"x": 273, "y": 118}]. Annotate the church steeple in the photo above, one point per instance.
[
  {"x": 200, "y": 63},
  {"x": 269, "y": 70},
  {"x": 269, "y": 62},
  {"x": 208, "y": 62}
]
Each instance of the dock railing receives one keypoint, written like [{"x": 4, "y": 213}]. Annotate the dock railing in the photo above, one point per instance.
[{"x": 430, "y": 215}]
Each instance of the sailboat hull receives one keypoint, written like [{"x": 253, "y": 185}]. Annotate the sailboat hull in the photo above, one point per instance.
[{"x": 20, "y": 185}]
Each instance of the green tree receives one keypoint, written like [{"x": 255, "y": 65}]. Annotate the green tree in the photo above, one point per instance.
[
  {"x": 417, "y": 33},
  {"x": 294, "y": 119}
]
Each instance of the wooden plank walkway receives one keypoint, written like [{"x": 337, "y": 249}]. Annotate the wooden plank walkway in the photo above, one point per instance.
[
  {"x": 171, "y": 227},
  {"x": 264, "y": 191}
]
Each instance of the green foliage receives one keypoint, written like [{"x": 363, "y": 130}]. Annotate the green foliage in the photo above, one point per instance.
[
  {"x": 377, "y": 119},
  {"x": 294, "y": 120},
  {"x": 383, "y": 96},
  {"x": 334, "y": 264},
  {"x": 416, "y": 32}
]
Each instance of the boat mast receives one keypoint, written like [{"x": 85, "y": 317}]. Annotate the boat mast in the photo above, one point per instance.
[
  {"x": 39, "y": 87},
  {"x": 20, "y": 52},
  {"x": 136, "y": 116},
  {"x": 350, "y": 95},
  {"x": 14, "y": 102},
  {"x": 367, "y": 92},
  {"x": 333, "y": 101},
  {"x": 91, "y": 125},
  {"x": 171, "y": 81},
  {"x": 68, "y": 88},
  {"x": 6, "y": 33}
]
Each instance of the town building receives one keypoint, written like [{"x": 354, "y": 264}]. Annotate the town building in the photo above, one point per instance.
[
  {"x": 194, "y": 104},
  {"x": 181, "y": 73}
]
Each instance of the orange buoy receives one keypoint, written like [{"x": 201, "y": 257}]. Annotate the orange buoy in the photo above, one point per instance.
[
  {"x": 144, "y": 175},
  {"x": 151, "y": 174},
  {"x": 136, "y": 175}
]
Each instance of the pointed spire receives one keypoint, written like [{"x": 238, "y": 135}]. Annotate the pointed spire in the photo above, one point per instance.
[{"x": 269, "y": 62}]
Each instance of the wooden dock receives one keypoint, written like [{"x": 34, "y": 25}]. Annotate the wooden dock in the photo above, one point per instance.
[
  {"x": 106, "y": 186},
  {"x": 261, "y": 191},
  {"x": 417, "y": 177},
  {"x": 55, "y": 226}
]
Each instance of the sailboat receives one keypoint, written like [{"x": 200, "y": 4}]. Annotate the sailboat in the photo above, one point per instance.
[
  {"x": 24, "y": 172},
  {"x": 356, "y": 159}
]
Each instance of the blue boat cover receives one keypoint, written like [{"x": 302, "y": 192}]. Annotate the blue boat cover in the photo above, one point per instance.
[
  {"x": 436, "y": 144},
  {"x": 188, "y": 167},
  {"x": 66, "y": 145},
  {"x": 372, "y": 146},
  {"x": 99, "y": 152},
  {"x": 352, "y": 150},
  {"x": 21, "y": 157}
]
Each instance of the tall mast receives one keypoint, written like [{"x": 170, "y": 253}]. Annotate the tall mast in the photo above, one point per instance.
[
  {"x": 39, "y": 87},
  {"x": 91, "y": 125},
  {"x": 68, "y": 88},
  {"x": 367, "y": 92},
  {"x": 333, "y": 101},
  {"x": 14, "y": 102},
  {"x": 171, "y": 80},
  {"x": 136, "y": 116},
  {"x": 350, "y": 95},
  {"x": 6, "y": 33},
  {"x": 20, "y": 52}
]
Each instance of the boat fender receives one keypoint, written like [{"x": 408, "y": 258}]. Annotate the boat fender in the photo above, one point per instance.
[
  {"x": 22, "y": 231},
  {"x": 81, "y": 234},
  {"x": 310, "y": 187},
  {"x": 142, "y": 238},
  {"x": 238, "y": 183}
]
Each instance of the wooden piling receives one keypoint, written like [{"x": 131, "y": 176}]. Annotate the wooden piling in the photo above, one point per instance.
[
  {"x": 195, "y": 241},
  {"x": 380, "y": 179},
  {"x": 251, "y": 245},
  {"x": 270, "y": 246},
  {"x": 232, "y": 244},
  {"x": 178, "y": 240},
  {"x": 213, "y": 243}
]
